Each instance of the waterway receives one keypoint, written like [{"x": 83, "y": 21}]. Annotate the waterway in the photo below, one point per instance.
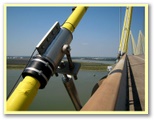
[{"x": 54, "y": 96}]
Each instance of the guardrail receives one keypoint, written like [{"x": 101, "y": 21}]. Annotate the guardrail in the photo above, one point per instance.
[{"x": 113, "y": 92}]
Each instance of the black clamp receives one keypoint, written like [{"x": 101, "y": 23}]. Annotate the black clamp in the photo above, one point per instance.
[{"x": 39, "y": 68}]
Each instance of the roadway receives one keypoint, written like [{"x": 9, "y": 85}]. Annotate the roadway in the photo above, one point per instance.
[
  {"x": 123, "y": 89},
  {"x": 137, "y": 82}
]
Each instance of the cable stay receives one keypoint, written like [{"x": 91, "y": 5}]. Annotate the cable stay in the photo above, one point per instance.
[
  {"x": 139, "y": 48},
  {"x": 123, "y": 46},
  {"x": 140, "y": 45},
  {"x": 131, "y": 39}
]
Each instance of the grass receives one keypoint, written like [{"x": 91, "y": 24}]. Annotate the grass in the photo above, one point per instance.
[
  {"x": 15, "y": 66},
  {"x": 94, "y": 66},
  {"x": 84, "y": 66}
]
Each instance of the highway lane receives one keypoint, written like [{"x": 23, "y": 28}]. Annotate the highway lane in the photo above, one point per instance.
[{"x": 137, "y": 64}]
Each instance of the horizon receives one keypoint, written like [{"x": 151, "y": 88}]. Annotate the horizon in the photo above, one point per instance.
[{"x": 65, "y": 56}]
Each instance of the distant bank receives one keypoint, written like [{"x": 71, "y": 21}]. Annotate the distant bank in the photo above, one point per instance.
[{"x": 87, "y": 63}]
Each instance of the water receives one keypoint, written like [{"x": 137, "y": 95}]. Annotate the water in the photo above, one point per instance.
[{"x": 54, "y": 96}]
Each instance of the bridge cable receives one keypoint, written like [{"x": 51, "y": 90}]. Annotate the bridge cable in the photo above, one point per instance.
[
  {"x": 20, "y": 75},
  {"x": 119, "y": 24}
]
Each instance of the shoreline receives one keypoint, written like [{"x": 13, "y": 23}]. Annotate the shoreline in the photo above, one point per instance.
[{"x": 84, "y": 66}]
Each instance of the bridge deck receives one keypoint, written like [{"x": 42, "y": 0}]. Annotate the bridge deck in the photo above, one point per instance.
[
  {"x": 137, "y": 81},
  {"x": 122, "y": 89}
]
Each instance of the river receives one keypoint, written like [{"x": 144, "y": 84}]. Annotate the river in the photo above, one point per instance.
[{"x": 54, "y": 96}]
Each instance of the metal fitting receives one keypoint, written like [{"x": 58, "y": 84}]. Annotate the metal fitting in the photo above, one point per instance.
[{"x": 51, "y": 52}]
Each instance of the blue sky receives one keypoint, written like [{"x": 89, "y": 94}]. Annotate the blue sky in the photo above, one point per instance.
[{"x": 97, "y": 34}]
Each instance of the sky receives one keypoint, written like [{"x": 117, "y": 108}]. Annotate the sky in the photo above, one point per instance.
[{"x": 97, "y": 34}]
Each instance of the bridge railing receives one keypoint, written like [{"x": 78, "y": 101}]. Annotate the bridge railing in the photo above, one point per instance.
[{"x": 113, "y": 92}]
